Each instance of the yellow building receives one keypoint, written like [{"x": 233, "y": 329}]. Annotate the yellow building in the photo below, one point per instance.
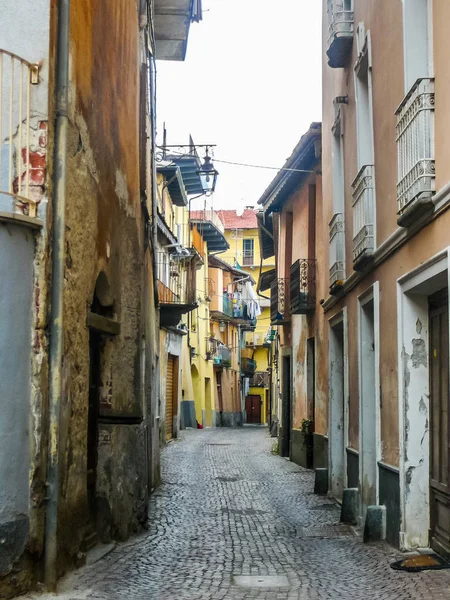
[{"x": 241, "y": 233}]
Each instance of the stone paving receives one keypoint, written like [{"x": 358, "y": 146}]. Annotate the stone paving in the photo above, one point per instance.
[{"x": 228, "y": 508}]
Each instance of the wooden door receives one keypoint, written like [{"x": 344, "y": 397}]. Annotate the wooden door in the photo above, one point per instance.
[
  {"x": 95, "y": 345},
  {"x": 170, "y": 396},
  {"x": 253, "y": 408},
  {"x": 439, "y": 424}
]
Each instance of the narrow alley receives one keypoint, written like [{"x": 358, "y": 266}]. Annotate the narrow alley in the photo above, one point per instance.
[{"x": 230, "y": 513}]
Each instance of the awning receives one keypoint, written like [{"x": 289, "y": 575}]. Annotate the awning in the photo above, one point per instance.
[
  {"x": 172, "y": 19},
  {"x": 265, "y": 280},
  {"x": 265, "y": 234},
  {"x": 175, "y": 185},
  {"x": 190, "y": 166}
]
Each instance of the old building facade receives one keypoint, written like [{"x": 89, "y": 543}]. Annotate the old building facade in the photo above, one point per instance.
[
  {"x": 385, "y": 196},
  {"x": 77, "y": 192},
  {"x": 291, "y": 225}
]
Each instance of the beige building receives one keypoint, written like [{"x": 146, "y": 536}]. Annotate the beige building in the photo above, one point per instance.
[
  {"x": 291, "y": 227},
  {"x": 386, "y": 174}
]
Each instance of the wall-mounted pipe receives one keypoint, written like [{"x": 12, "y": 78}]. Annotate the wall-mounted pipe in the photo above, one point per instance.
[{"x": 58, "y": 255}]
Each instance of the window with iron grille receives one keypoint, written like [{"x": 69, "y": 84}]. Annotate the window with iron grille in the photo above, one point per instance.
[{"x": 248, "y": 251}]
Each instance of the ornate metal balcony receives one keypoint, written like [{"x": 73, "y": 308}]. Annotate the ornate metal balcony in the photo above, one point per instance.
[
  {"x": 337, "y": 247},
  {"x": 280, "y": 312},
  {"x": 303, "y": 286},
  {"x": 340, "y": 32},
  {"x": 176, "y": 287},
  {"x": 260, "y": 379},
  {"x": 363, "y": 215},
  {"x": 415, "y": 150},
  {"x": 219, "y": 353}
]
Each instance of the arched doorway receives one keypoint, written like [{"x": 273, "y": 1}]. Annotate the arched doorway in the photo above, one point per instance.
[{"x": 101, "y": 328}]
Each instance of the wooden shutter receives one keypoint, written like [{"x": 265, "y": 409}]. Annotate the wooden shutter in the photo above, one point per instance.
[{"x": 169, "y": 397}]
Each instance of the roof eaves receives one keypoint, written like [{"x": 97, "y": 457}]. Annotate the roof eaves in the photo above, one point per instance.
[{"x": 299, "y": 159}]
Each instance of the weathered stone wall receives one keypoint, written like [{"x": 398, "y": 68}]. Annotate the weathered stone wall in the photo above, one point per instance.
[{"x": 104, "y": 233}]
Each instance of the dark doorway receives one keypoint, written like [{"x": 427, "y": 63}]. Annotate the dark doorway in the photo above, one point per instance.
[
  {"x": 219, "y": 394},
  {"x": 311, "y": 377},
  {"x": 253, "y": 408},
  {"x": 95, "y": 350},
  {"x": 285, "y": 429},
  {"x": 100, "y": 330},
  {"x": 439, "y": 418}
]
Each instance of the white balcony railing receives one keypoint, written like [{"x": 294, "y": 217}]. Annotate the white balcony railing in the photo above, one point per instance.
[
  {"x": 337, "y": 241},
  {"x": 18, "y": 174},
  {"x": 340, "y": 19},
  {"x": 415, "y": 145},
  {"x": 363, "y": 213}
]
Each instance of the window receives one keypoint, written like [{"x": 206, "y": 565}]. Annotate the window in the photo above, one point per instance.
[
  {"x": 417, "y": 35},
  {"x": 248, "y": 252},
  {"x": 363, "y": 89}
]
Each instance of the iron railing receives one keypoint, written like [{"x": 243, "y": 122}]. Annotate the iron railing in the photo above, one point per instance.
[
  {"x": 175, "y": 279},
  {"x": 363, "y": 213},
  {"x": 248, "y": 257},
  {"x": 19, "y": 176},
  {"x": 337, "y": 250},
  {"x": 415, "y": 145},
  {"x": 219, "y": 353},
  {"x": 260, "y": 379},
  {"x": 279, "y": 301},
  {"x": 303, "y": 286}
]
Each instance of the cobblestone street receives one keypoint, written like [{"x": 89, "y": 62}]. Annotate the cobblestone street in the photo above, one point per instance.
[{"x": 229, "y": 508}]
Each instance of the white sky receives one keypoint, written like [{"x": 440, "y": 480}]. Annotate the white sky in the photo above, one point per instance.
[{"x": 251, "y": 84}]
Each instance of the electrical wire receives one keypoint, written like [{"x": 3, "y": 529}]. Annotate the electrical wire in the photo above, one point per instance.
[{"x": 241, "y": 164}]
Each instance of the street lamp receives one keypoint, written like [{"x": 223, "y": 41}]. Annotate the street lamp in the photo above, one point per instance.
[
  {"x": 222, "y": 326},
  {"x": 208, "y": 174}
]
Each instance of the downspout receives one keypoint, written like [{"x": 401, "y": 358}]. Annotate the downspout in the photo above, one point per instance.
[
  {"x": 154, "y": 230},
  {"x": 58, "y": 259}
]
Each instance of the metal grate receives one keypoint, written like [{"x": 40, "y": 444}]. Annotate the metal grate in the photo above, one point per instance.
[
  {"x": 279, "y": 301},
  {"x": 303, "y": 286},
  {"x": 337, "y": 250},
  {"x": 415, "y": 144},
  {"x": 363, "y": 212}
]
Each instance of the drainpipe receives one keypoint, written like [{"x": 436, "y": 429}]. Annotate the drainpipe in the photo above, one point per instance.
[{"x": 58, "y": 256}]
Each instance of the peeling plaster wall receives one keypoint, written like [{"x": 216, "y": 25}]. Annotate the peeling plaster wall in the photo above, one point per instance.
[
  {"x": 415, "y": 460},
  {"x": 104, "y": 232}
]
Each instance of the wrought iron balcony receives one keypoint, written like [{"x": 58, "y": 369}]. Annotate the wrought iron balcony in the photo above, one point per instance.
[
  {"x": 337, "y": 244},
  {"x": 363, "y": 215},
  {"x": 260, "y": 379},
  {"x": 176, "y": 287},
  {"x": 303, "y": 286},
  {"x": 248, "y": 366},
  {"x": 340, "y": 32},
  {"x": 22, "y": 140},
  {"x": 280, "y": 312},
  {"x": 415, "y": 151},
  {"x": 219, "y": 353}
]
